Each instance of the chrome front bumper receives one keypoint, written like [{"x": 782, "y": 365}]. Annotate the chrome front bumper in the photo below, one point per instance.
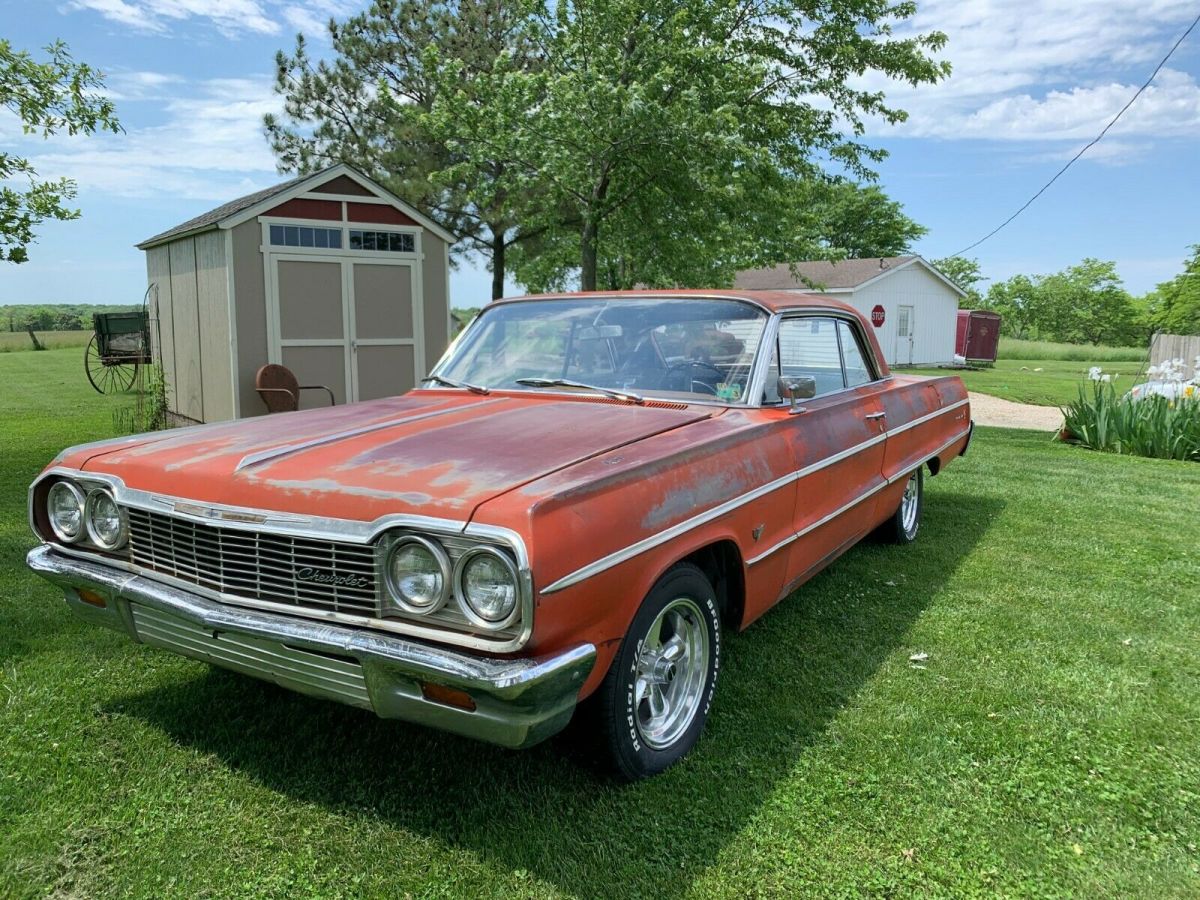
[{"x": 518, "y": 702}]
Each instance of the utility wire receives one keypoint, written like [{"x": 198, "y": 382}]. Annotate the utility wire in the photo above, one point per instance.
[{"x": 1087, "y": 146}]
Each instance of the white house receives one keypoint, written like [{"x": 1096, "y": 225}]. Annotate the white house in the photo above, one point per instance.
[{"x": 912, "y": 305}]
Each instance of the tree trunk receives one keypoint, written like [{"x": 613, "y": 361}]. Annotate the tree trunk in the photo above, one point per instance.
[
  {"x": 498, "y": 248},
  {"x": 587, "y": 255}
]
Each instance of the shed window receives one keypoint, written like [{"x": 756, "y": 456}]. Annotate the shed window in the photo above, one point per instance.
[
  {"x": 304, "y": 236},
  {"x": 388, "y": 241}
]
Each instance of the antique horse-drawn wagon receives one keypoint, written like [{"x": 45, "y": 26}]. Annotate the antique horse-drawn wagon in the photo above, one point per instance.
[{"x": 120, "y": 344}]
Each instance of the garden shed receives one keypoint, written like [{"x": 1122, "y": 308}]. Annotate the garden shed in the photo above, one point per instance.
[
  {"x": 913, "y": 306},
  {"x": 328, "y": 274}
]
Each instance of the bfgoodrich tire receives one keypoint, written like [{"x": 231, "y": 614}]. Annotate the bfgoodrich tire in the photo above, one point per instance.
[{"x": 655, "y": 699}]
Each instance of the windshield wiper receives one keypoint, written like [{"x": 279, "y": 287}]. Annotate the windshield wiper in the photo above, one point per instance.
[
  {"x": 473, "y": 388},
  {"x": 566, "y": 382}
]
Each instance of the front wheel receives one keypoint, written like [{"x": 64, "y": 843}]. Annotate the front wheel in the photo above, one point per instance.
[{"x": 655, "y": 699}]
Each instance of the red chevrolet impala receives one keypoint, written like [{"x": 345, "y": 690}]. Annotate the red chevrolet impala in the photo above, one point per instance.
[{"x": 586, "y": 490}]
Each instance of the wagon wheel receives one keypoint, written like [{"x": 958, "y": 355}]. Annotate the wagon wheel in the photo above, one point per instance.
[{"x": 108, "y": 377}]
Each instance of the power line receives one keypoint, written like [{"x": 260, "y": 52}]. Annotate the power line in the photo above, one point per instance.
[{"x": 1087, "y": 146}]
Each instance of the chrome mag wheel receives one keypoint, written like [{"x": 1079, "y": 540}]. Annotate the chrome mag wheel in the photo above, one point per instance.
[
  {"x": 910, "y": 504},
  {"x": 671, "y": 673}
]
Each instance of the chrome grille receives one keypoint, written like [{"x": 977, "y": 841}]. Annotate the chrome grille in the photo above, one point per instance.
[{"x": 257, "y": 565}]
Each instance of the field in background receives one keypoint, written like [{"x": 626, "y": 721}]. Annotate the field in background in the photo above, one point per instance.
[
  {"x": 1047, "y": 745},
  {"x": 54, "y": 340},
  {"x": 1014, "y": 348},
  {"x": 1042, "y": 382}
]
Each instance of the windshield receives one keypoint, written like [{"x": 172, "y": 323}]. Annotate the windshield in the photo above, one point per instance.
[{"x": 685, "y": 348}]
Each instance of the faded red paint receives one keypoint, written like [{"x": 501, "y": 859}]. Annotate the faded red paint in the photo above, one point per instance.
[
  {"x": 581, "y": 479},
  {"x": 300, "y": 208},
  {"x": 377, "y": 213}
]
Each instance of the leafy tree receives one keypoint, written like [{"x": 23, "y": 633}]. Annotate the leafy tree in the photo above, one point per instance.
[
  {"x": 1084, "y": 303},
  {"x": 861, "y": 221},
  {"x": 966, "y": 274},
  {"x": 1018, "y": 302},
  {"x": 58, "y": 95},
  {"x": 687, "y": 129},
  {"x": 1176, "y": 303},
  {"x": 367, "y": 106}
]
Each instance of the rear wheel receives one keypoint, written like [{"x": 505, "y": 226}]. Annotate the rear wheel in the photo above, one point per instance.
[
  {"x": 110, "y": 376},
  {"x": 904, "y": 524},
  {"x": 654, "y": 701}
]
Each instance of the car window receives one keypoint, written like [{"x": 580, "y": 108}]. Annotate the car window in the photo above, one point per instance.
[
  {"x": 857, "y": 370},
  {"x": 809, "y": 346},
  {"x": 675, "y": 347}
]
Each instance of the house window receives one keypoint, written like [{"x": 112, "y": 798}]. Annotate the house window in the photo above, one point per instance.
[
  {"x": 388, "y": 241},
  {"x": 305, "y": 236}
]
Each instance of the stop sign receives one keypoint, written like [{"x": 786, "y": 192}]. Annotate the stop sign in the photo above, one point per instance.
[{"x": 877, "y": 315}]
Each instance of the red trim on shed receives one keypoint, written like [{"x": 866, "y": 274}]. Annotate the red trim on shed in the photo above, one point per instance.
[
  {"x": 373, "y": 212},
  {"x": 300, "y": 208}
]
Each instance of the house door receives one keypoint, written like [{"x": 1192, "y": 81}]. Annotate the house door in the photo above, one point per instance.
[
  {"x": 904, "y": 335},
  {"x": 346, "y": 323}
]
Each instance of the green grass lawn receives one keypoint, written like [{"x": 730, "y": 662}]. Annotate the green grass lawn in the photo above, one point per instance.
[
  {"x": 1019, "y": 379},
  {"x": 1049, "y": 745}
]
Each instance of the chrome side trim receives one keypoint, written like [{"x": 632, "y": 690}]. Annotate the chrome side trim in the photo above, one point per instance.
[
  {"x": 254, "y": 459},
  {"x": 323, "y": 528},
  {"x": 518, "y": 701},
  {"x": 900, "y": 476},
  {"x": 620, "y": 556},
  {"x": 655, "y": 540}
]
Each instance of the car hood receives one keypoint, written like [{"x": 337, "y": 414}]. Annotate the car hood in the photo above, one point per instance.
[{"x": 431, "y": 453}]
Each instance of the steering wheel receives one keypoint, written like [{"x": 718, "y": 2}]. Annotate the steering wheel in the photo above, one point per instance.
[{"x": 687, "y": 367}]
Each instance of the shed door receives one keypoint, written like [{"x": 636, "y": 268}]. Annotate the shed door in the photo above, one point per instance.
[
  {"x": 385, "y": 324},
  {"x": 904, "y": 335},
  {"x": 347, "y": 324}
]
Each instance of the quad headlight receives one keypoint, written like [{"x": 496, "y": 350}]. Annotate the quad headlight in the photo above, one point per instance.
[
  {"x": 106, "y": 522},
  {"x": 485, "y": 583},
  {"x": 423, "y": 578},
  {"x": 64, "y": 509},
  {"x": 417, "y": 573}
]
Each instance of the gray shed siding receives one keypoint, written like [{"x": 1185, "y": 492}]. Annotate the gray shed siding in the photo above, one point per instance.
[
  {"x": 437, "y": 298},
  {"x": 250, "y": 296},
  {"x": 192, "y": 334}
]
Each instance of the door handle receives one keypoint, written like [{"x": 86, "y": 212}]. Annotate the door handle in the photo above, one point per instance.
[{"x": 876, "y": 415}]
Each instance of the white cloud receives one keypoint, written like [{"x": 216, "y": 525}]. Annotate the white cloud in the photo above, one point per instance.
[
  {"x": 231, "y": 17},
  {"x": 1049, "y": 71},
  {"x": 211, "y": 146}
]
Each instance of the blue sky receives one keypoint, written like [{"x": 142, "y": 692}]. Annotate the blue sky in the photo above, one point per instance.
[{"x": 1032, "y": 83}]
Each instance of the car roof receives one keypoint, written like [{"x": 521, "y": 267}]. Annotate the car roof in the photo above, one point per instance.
[{"x": 773, "y": 301}]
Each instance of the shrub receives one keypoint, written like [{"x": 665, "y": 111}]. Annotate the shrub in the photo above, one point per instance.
[{"x": 1153, "y": 425}]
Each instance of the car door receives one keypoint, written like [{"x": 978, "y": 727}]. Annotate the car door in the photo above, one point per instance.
[{"x": 837, "y": 441}]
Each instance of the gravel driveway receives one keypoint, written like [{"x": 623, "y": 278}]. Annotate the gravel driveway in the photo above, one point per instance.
[{"x": 988, "y": 410}]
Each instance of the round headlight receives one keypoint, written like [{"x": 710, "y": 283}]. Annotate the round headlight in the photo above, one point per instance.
[
  {"x": 486, "y": 585},
  {"x": 418, "y": 575},
  {"x": 64, "y": 509},
  {"x": 106, "y": 523}
]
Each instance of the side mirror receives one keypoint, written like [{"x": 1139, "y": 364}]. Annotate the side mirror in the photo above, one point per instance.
[{"x": 797, "y": 387}]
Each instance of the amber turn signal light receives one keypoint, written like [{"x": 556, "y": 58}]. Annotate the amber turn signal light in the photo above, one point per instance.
[
  {"x": 92, "y": 598},
  {"x": 447, "y": 696}
]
